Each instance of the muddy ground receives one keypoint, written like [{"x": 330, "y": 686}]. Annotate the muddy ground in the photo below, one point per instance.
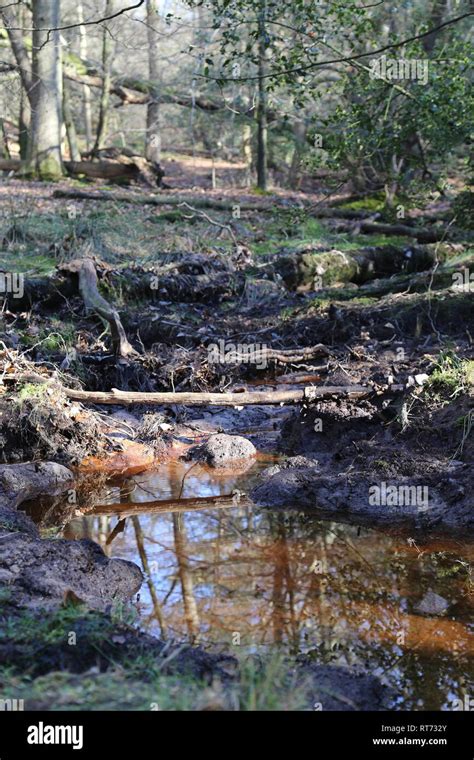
[{"x": 389, "y": 316}]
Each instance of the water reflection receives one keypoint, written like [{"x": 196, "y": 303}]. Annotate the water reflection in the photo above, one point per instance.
[{"x": 229, "y": 574}]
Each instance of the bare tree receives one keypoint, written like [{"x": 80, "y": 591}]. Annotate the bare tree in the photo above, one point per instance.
[
  {"x": 86, "y": 90},
  {"x": 153, "y": 134},
  {"x": 44, "y": 150},
  {"x": 108, "y": 49},
  {"x": 262, "y": 129}
]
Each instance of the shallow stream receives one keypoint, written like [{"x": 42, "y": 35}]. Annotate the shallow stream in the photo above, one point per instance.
[{"x": 229, "y": 575}]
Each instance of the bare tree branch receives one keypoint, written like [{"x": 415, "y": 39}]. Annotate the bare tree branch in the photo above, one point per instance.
[{"x": 74, "y": 26}]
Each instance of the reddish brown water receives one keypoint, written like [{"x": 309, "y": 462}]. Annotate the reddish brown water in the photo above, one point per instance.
[{"x": 229, "y": 575}]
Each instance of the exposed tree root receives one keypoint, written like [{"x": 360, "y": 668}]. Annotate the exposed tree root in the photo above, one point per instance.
[{"x": 88, "y": 286}]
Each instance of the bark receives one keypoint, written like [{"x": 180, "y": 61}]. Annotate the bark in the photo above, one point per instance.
[
  {"x": 119, "y": 397},
  {"x": 88, "y": 286},
  {"x": 74, "y": 152},
  {"x": 247, "y": 152},
  {"x": 153, "y": 133},
  {"x": 24, "y": 116},
  {"x": 24, "y": 125},
  {"x": 294, "y": 173},
  {"x": 44, "y": 159},
  {"x": 262, "y": 128},
  {"x": 19, "y": 50},
  {"x": 24, "y": 68},
  {"x": 86, "y": 90},
  {"x": 5, "y": 150},
  {"x": 108, "y": 49}
]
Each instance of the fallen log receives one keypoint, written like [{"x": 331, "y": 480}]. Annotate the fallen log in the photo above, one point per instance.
[
  {"x": 133, "y": 168},
  {"x": 158, "y": 200},
  {"x": 318, "y": 269},
  {"x": 88, "y": 287},
  {"x": 403, "y": 230},
  {"x": 203, "y": 202}
]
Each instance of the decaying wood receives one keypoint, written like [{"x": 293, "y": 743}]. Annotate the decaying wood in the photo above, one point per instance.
[
  {"x": 264, "y": 355},
  {"x": 88, "y": 286},
  {"x": 126, "y": 168},
  {"x": 422, "y": 235},
  {"x": 315, "y": 269},
  {"x": 203, "y": 202},
  {"x": 157, "y": 200}
]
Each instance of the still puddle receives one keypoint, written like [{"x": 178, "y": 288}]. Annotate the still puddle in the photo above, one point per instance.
[{"x": 227, "y": 574}]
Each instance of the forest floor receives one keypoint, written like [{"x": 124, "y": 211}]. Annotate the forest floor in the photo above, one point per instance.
[{"x": 302, "y": 300}]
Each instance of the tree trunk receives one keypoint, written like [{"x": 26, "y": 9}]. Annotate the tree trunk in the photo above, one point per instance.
[
  {"x": 24, "y": 125},
  {"x": 247, "y": 152},
  {"x": 86, "y": 90},
  {"x": 108, "y": 49},
  {"x": 294, "y": 174},
  {"x": 24, "y": 116},
  {"x": 262, "y": 130},
  {"x": 153, "y": 136},
  {"x": 5, "y": 149},
  {"x": 44, "y": 155},
  {"x": 74, "y": 152}
]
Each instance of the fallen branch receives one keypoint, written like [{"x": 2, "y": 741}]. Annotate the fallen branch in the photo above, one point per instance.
[
  {"x": 116, "y": 396},
  {"x": 158, "y": 506},
  {"x": 203, "y": 215},
  {"x": 262, "y": 356}
]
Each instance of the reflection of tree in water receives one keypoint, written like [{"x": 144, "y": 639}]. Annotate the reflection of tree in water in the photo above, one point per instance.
[{"x": 283, "y": 579}]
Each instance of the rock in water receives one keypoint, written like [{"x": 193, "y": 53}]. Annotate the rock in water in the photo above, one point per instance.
[
  {"x": 432, "y": 604},
  {"x": 222, "y": 450}
]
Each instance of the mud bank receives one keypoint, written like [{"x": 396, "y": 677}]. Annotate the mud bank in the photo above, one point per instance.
[{"x": 377, "y": 464}]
